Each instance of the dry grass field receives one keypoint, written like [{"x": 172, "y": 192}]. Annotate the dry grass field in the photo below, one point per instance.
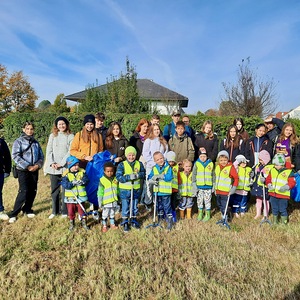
[{"x": 41, "y": 259}]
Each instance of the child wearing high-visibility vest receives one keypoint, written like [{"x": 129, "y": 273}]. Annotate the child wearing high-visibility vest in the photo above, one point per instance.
[
  {"x": 74, "y": 180},
  {"x": 171, "y": 159},
  {"x": 129, "y": 175},
  {"x": 108, "y": 196},
  {"x": 280, "y": 181},
  {"x": 226, "y": 180},
  {"x": 203, "y": 183},
  {"x": 240, "y": 198},
  {"x": 186, "y": 190},
  {"x": 161, "y": 177}
]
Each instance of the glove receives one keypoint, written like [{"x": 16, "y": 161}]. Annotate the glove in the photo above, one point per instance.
[
  {"x": 284, "y": 188},
  {"x": 262, "y": 179},
  {"x": 158, "y": 177},
  {"x": 270, "y": 187},
  {"x": 194, "y": 191},
  {"x": 6, "y": 175},
  {"x": 153, "y": 182},
  {"x": 75, "y": 182},
  {"x": 252, "y": 174},
  {"x": 232, "y": 190},
  {"x": 133, "y": 176}
]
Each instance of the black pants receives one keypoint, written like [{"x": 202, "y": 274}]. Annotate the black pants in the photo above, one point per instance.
[
  {"x": 57, "y": 194},
  {"x": 27, "y": 192}
]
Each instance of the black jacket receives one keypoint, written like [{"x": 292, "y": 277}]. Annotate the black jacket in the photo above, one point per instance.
[
  {"x": 5, "y": 157},
  {"x": 211, "y": 146}
]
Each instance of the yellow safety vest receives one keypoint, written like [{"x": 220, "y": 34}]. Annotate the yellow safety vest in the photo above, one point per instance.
[
  {"x": 110, "y": 190},
  {"x": 280, "y": 179},
  {"x": 127, "y": 171},
  {"x": 204, "y": 174},
  {"x": 244, "y": 178},
  {"x": 175, "y": 177},
  {"x": 78, "y": 190},
  {"x": 185, "y": 187},
  {"x": 266, "y": 170},
  {"x": 164, "y": 187},
  {"x": 223, "y": 179}
]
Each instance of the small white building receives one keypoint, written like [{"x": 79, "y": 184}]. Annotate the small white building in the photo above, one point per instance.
[{"x": 293, "y": 114}]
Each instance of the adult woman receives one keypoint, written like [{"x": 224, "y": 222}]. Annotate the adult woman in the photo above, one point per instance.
[
  {"x": 57, "y": 152},
  {"x": 116, "y": 142},
  {"x": 257, "y": 143},
  {"x": 285, "y": 143},
  {"x": 239, "y": 123},
  {"x": 29, "y": 158},
  {"x": 87, "y": 142},
  {"x": 138, "y": 138},
  {"x": 208, "y": 140},
  {"x": 233, "y": 143}
]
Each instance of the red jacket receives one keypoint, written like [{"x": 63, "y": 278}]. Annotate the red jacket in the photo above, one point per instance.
[{"x": 234, "y": 175}]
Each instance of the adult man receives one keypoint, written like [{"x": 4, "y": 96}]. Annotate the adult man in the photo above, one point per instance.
[
  {"x": 169, "y": 129},
  {"x": 274, "y": 127}
]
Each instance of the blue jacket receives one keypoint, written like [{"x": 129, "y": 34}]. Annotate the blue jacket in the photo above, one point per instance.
[
  {"x": 32, "y": 156},
  {"x": 169, "y": 131}
]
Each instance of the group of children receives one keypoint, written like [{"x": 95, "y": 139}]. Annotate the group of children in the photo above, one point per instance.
[{"x": 231, "y": 184}]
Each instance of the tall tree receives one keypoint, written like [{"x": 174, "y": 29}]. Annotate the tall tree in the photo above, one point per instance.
[
  {"x": 16, "y": 93},
  {"x": 60, "y": 104},
  {"x": 250, "y": 95}
]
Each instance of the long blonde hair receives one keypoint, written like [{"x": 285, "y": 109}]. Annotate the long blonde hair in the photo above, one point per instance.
[
  {"x": 293, "y": 138},
  {"x": 211, "y": 134},
  {"x": 150, "y": 135}
]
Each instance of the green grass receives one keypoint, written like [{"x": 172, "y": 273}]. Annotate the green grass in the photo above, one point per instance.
[{"x": 41, "y": 259}]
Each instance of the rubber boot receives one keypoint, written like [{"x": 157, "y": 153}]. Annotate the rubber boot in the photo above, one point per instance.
[
  {"x": 135, "y": 223},
  {"x": 174, "y": 216},
  {"x": 275, "y": 220},
  {"x": 169, "y": 222},
  {"x": 72, "y": 225},
  {"x": 181, "y": 213},
  {"x": 284, "y": 220},
  {"x": 200, "y": 214},
  {"x": 189, "y": 213},
  {"x": 207, "y": 215},
  {"x": 84, "y": 225}
]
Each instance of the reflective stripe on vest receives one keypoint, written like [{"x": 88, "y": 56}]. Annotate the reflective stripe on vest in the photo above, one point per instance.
[
  {"x": 163, "y": 187},
  {"x": 127, "y": 171},
  {"x": 204, "y": 174},
  {"x": 280, "y": 179},
  {"x": 223, "y": 180},
  {"x": 78, "y": 190},
  {"x": 110, "y": 190},
  {"x": 185, "y": 187},
  {"x": 266, "y": 171},
  {"x": 244, "y": 178},
  {"x": 175, "y": 177}
]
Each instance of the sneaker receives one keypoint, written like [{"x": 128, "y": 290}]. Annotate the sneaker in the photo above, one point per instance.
[
  {"x": 51, "y": 216},
  {"x": 236, "y": 215},
  {"x": 3, "y": 216},
  {"x": 30, "y": 215},
  {"x": 64, "y": 216},
  {"x": 12, "y": 220},
  {"x": 126, "y": 227}
]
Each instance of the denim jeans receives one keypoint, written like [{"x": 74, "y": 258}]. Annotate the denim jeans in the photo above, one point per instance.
[
  {"x": 221, "y": 201},
  {"x": 279, "y": 205},
  {"x": 163, "y": 206},
  {"x": 1, "y": 187},
  {"x": 238, "y": 203},
  {"x": 125, "y": 196}
]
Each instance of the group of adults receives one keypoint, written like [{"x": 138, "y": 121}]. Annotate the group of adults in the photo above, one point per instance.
[{"x": 272, "y": 135}]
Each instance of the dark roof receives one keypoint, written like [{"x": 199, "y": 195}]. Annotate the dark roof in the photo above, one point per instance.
[{"x": 147, "y": 89}]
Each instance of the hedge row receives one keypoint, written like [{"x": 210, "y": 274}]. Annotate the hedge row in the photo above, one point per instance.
[{"x": 44, "y": 123}]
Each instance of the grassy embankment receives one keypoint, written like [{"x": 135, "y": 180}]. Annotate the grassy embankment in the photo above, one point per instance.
[{"x": 41, "y": 259}]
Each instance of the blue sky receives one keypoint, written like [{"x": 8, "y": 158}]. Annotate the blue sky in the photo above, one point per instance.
[{"x": 189, "y": 46}]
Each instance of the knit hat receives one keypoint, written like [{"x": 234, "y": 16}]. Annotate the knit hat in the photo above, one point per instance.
[
  {"x": 130, "y": 149},
  {"x": 202, "y": 151},
  {"x": 89, "y": 119},
  {"x": 171, "y": 156},
  {"x": 264, "y": 155},
  {"x": 71, "y": 161},
  {"x": 61, "y": 119},
  {"x": 241, "y": 159},
  {"x": 223, "y": 153},
  {"x": 278, "y": 159}
]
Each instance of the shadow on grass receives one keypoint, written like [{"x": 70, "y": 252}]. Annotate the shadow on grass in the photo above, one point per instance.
[{"x": 294, "y": 295}]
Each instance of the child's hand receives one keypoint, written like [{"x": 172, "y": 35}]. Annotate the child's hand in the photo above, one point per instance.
[
  {"x": 271, "y": 187},
  {"x": 284, "y": 188},
  {"x": 153, "y": 182}
]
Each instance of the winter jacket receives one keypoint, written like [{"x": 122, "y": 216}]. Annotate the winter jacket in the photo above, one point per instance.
[
  {"x": 182, "y": 146},
  {"x": 272, "y": 134},
  {"x": 102, "y": 130},
  {"x": 296, "y": 157},
  {"x": 150, "y": 147},
  {"x": 80, "y": 149},
  {"x": 118, "y": 147},
  {"x": 136, "y": 142},
  {"x": 57, "y": 151},
  {"x": 170, "y": 130},
  {"x": 210, "y": 145},
  {"x": 233, "y": 152},
  {"x": 256, "y": 144},
  {"x": 32, "y": 156},
  {"x": 5, "y": 158}
]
